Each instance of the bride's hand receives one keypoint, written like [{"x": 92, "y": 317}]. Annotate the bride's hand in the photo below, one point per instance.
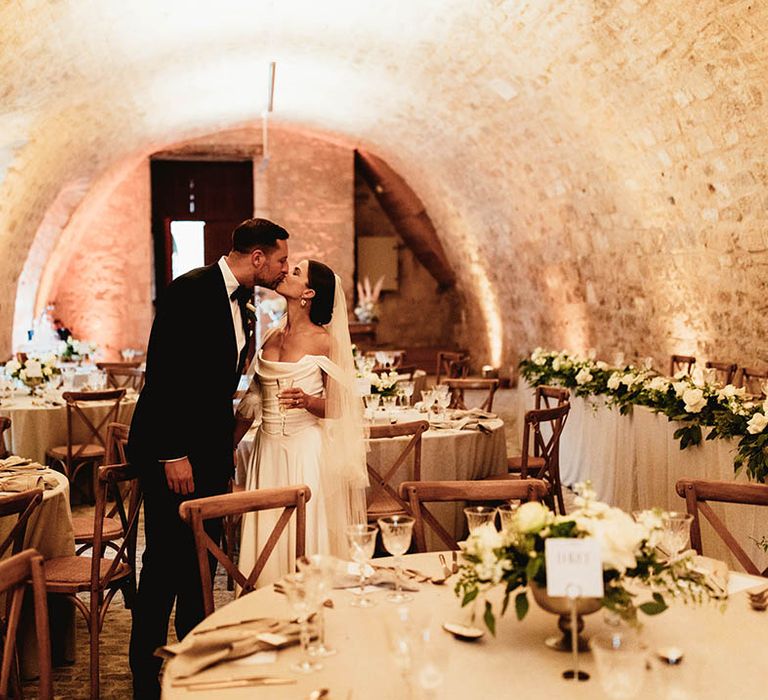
[{"x": 294, "y": 398}]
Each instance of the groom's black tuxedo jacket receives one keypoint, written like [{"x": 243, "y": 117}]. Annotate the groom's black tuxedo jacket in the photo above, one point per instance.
[{"x": 185, "y": 407}]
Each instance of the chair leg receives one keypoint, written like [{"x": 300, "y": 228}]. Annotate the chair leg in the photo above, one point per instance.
[{"x": 94, "y": 631}]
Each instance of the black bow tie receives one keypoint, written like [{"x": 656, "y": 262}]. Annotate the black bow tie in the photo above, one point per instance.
[{"x": 242, "y": 295}]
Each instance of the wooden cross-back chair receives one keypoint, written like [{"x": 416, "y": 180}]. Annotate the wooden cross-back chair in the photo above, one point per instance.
[
  {"x": 22, "y": 505},
  {"x": 126, "y": 378},
  {"x": 697, "y": 493},
  {"x": 418, "y": 493},
  {"x": 725, "y": 371},
  {"x": 5, "y": 424},
  {"x": 75, "y": 455},
  {"x": 459, "y": 386},
  {"x": 101, "y": 577},
  {"x": 383, "y": 498},
  {"x": 545, "y": 462},
  {"x": 451, "y": 365},
  {"x": 751, "y": 380},
  {"x": 679, "y": 363},
  {"x": 16, "y": 575},
  {"x": 292, "y": 499},
  {"x": 106, "y": 366},
  {"x": 550, "y": 396}
]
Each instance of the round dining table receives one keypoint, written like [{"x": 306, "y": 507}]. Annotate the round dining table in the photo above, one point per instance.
[
  {"x": 723, "y": 650},
  {"x": 448, "y": 454},
  {"x": 50, "y": 532},
  {"x": 37, "y": 426}
]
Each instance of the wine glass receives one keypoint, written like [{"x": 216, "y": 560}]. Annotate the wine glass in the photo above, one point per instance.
[
  {"x": 676, "y": 532},
  {"x": 443, "y": 401},
  {"x": 321, "y": 567},
  {"x": 507, "y": 514},
  {"x": 396, "y": 531},
  {"x": 407, "y": 387},
  {"x": 302, "y": 592},
  {"x": 621, "y": 663},
  {"x": 362, "y": 542},
  {"x": 477, "y": 516}
]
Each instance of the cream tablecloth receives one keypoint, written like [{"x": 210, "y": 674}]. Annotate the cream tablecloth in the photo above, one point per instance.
[
  {"x": 724, "y": 652},
  {"x": 447, "y": 455},
  {"x": 35, "y": 428},
  {"x": 633, "y": 462},
  {"x": 49, "y": 531}
]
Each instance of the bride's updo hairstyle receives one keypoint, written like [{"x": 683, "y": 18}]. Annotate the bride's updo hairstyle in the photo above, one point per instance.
[{"x": 321, "y": 278}]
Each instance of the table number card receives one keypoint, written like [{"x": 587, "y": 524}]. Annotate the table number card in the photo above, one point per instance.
[{"x": 574, "y": 562}]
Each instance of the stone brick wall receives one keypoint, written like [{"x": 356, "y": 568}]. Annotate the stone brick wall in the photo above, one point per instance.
[{"x": 595, "y": 168}]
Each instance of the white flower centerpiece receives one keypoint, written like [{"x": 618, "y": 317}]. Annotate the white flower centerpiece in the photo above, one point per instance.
[
  {"x": 384, "y": 383},
  {"x": 367, "y": 309},
  {"x": 32, "y": 371},
  {"x": 515, "y": 558},
  {"x": 73, "y": 350}
]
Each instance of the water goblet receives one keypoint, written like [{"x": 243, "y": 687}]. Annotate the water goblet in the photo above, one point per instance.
[
  {"x": 396, "y": 531},
  {"x": 478, "y": 516},
  {"x": 302, "y": 593},
  {"x": 407, "y": 387},
  {"x": 507, "y": 514},
  {"x": 443, "y": 401},
  {"x": 676, "y": 532},
  {"x": 372, "y": 401},
  {"x": 321, "y": 567},
  {"x": 362, "y": 542},
  {"x": 621, "y": 663}
]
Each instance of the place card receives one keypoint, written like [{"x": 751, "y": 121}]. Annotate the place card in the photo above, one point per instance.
[{"x": 574, "y": 564}]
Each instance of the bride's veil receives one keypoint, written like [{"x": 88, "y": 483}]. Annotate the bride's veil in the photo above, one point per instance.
[{"x": 343, "y": 471}]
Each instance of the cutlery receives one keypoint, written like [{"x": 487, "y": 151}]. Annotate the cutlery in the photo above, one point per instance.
[
  {"x": 454, "y": 562},
  {"x": 318, "y": 694},
  {"x": 235, "y": 683},
  {"x": 447, "y": 571}
]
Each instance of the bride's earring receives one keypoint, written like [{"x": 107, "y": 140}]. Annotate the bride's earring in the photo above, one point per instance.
[{"x": 303, "y": 302}]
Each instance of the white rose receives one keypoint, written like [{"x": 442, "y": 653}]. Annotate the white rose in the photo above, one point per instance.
[
  {"x": 694, "y": 400},
  {"x": 22, "y": 374},
  {"x": 620, "y": 538},
  {"x": 680, "y": 388},
  {"x": 583, "y": 377},
  {"x": 601, "y": 365},
  {"x": 532, "y": 517},
  {"x": 34, "y": 370},
  {"x": 47, "y": 371},
  {"x": 614, "y": 381},
  {"x": 556, "y": 364},
  {"x": 658, "y": 384},
  {"x": 12, "y": 366},
  {"x": 757, "y": 423}
]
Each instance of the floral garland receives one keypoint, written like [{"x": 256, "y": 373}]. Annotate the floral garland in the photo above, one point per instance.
[
  {"x": 515, "y": 558},
  {"x": 727, "y": 412}
]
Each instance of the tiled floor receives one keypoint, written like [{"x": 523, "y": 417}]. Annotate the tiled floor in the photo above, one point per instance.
[{"x": 72, "y": 682}]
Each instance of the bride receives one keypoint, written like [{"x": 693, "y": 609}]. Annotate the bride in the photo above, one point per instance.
[{"x": 312, "y": 429}]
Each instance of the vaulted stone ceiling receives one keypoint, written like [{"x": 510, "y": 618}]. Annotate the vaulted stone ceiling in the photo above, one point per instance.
[{"x": 594, "y": 168}]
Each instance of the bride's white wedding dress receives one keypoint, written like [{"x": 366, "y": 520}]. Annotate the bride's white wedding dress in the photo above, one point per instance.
[{"x": 287, "y": 451}]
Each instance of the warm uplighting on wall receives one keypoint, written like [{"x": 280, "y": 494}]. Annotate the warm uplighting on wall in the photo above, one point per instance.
[{"x": 489, "y": 307}]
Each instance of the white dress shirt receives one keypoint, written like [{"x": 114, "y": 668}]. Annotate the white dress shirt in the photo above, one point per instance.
[{"x": 231, "y": 283}]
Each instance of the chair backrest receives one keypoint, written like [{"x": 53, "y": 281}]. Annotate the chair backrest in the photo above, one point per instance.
[
  {"x": 406, "y": 372},
  {"x": 678, "y": 363},
  {"x": 22, "y": 504},
  {"x": 5, "y": 424},
  {"x": 549, "y": 396},
  {"x": 292, "y": 499},
  {"x": 15, "y": 575},
  {"x": 106, "y": 366},
  {"x": 381, "y": 480},
  {"x": 451, "y": 365},
  {"x": 122, "y": 481},
  {"x": 752, "y": 380},
  {"x": 76, "y": 402},
  {"x": 126, "y": 378},
  {"x": 417, "y": 493},
  {"x": 117, "y": 439},
  {"x": 459, "y": 386},
  {"x": 697, "y": 493},
  {"x": 725, "y": 371},
  {"x": 545, "y": 446}
]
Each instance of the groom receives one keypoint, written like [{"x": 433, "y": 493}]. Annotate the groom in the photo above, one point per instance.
[{"x": 182, "y": 430}]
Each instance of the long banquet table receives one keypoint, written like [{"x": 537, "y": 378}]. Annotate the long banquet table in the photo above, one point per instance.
[
  {"x": 447, "y": 455},
  {"x": 724, "y": 651},
  {"x": 633, "y": 462}
]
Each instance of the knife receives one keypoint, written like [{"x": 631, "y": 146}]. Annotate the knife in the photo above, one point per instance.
[{"x": 192, "y": 684}]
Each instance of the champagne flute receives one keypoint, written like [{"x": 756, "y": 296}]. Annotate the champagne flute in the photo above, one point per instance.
[
  {"x": 396, "y": 531},
  {"x": 362, "y": 542},
  {"x": 283, "y": 385},
  {"x": 302, "y": 593},
  {"x": 321, "y": 567}
]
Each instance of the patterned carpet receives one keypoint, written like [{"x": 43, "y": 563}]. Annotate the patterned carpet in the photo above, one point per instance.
[{"x": 72, "y": 682}]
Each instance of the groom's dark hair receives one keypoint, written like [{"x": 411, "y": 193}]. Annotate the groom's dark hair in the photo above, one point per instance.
[
  {"x": 257, "y": 233},
  {"x": 321, "y": 278}
]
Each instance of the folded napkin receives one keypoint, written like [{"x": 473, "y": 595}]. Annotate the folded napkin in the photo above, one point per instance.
[
  {"x": 17, "y": 462},
  {"x": 202, "y": 649},
  {"x": 381, "y": 577},
  {"x": 474, "y": 413},
  {"x": 17, "y": 483}
]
